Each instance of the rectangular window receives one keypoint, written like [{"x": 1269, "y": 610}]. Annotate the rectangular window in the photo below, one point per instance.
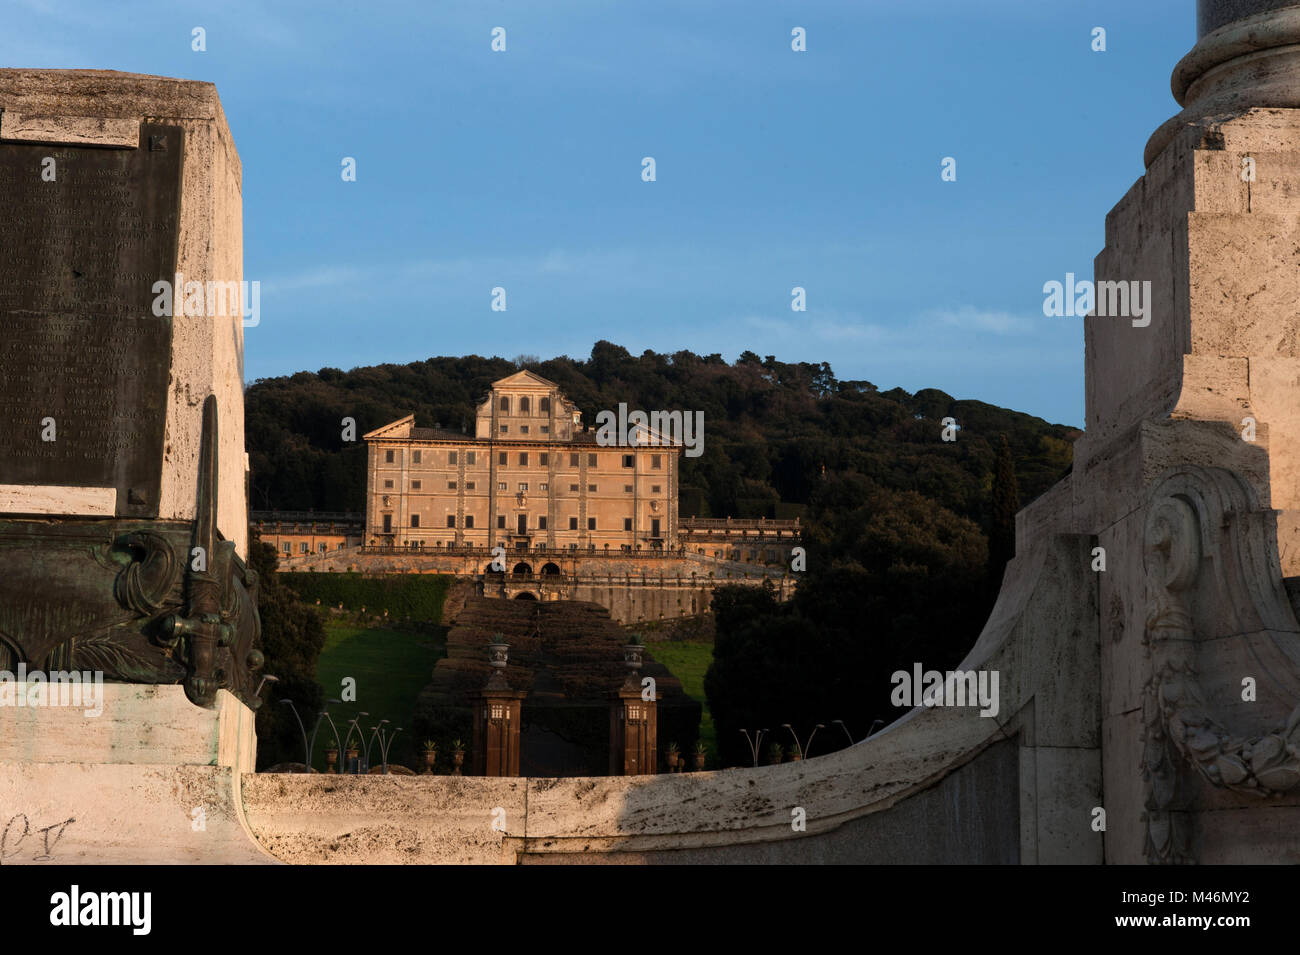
[
  {"x": 573, "y": 487},
  {"x": 451, "y": 520},
  {"x": 591, "y": 460},
  {"x": 656, "y": 460},
  {"x": 541, "y": 523},
  {"x": 388, "y": 457},
  {"x": 415, "y": 485},
  {"x": 543, "y": 486},
  {"x": 451, "y": 457},
  {"x": 505, "y": 429},
  {"x": 501, "y": 485},
  {"x": 469, "y": 485},
  {"x": 451, "y": 485},
  {"x": 654, "y": 488},
  {"x": 469, "y": 521},
  {"x": 288, "y": 548},
  {"x": 573, "y": 525},
  {"x": 546, "y": 429},
  {"x": 573, "y": 460},
  {"x": 501, "y": 521},
  {"x": 591, "y": 488},
  {"x": 469, "y": 457},
  {"x": 523, "y": 485},
  {"x": 523, "y": 460},
  {"x": 591, "y": 523},
  {"x": 544, "y": 459},
  {"x": 388, "y": 523},
  {"x": 627, "y": 488},
  {"x": 415, "y": 457},
  {"x": 629, "y": 460},
  {"x": 523, "y": 429},
  {"x": 388, "y": 485},
  {"x": 627, "y": 523},
  {"x": 503, "y": 458},
  {"x": 415, "y": 520}
]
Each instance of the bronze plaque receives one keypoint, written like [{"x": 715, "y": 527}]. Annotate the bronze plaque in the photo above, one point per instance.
[{"x": 83, "y": 239}]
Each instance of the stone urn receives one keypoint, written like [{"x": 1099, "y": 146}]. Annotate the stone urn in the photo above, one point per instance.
[
  {"x": 430, "y": 756},
  {"x": 457, "y": 759},
  {"x": 331, "y": 757},
  {"x": 699, "y": 761}
]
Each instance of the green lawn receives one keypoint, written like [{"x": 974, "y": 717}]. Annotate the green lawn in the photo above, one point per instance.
[
  {"x": 390, "y": 668},
  {"x": 689, "y": 661}
]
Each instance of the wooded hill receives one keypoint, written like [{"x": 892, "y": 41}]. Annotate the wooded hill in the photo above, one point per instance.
[{"x": 772, "y": 429}]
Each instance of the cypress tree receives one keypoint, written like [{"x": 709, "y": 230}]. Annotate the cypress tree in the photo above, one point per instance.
[{"x": 1006, "y": 501}]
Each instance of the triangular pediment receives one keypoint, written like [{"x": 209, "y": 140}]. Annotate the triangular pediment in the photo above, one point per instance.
[
  {"x": 401, "y": 428},
  {"x": 523, "y": 378}
]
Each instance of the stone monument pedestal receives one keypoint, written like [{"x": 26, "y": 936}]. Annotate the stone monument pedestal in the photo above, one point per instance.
[{"x": 152, "y": 779}]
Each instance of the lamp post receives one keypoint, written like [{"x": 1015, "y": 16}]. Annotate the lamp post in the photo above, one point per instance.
[
  {"x": 306, "y": 748},
  {"x": 754, "y": 743},
  {"x": 840, "y": 724},
  {"x": 353, "y": 725},
  {"x": 374, "y": 731},
  {"x": 803, "y": 750},
  {"x": 385, "y": 742}
]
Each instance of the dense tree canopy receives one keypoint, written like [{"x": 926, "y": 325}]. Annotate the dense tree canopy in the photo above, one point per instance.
[
  {"x": 772, "y": 429},
  {"x": 292, "y": 640}
]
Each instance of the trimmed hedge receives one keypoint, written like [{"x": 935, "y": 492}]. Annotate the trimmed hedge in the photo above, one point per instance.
[{"x": 419, "y": 596}]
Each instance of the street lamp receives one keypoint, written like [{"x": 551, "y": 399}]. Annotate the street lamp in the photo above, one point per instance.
[
  {"x": 754, "y": 743},
  {"x": 803, "y": 750}
]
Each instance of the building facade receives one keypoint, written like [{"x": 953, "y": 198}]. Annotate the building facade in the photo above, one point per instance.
[
  {"x": 531, "y": 478},
  {"x": 298, "y": 534}
]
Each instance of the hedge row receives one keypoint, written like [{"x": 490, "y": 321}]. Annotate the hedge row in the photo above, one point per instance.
[{"x": 419, "y": 596}]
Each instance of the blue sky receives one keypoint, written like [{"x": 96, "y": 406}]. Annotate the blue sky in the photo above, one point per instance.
[{"x": 775, "y": 169}]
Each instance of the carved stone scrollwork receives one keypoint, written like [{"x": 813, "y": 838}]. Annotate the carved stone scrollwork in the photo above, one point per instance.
[{"x": 1206, "y": 532}]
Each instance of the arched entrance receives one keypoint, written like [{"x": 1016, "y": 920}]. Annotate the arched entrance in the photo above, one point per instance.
[
  {"x": 550, "y": 569},
  {"x": 523, "y": 569},
  {"x": 525, "y": 595}
]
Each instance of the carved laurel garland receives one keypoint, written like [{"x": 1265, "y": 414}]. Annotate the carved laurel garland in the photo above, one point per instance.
[{"x": 1195, "y": 513}]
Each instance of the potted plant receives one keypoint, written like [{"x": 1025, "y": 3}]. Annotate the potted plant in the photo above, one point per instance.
[
  {"x": 671, "y": 756},
  {"x": 457, "y": 756},
  {"x": 701, "y": 751},
  {"x": 774, "y": 753},
  {"x": 331, "y": 757},
  {"x": 796, "y": 753},
  {"x": 430, "y": 755}
]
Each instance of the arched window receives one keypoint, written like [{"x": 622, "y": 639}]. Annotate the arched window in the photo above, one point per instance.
[
  {"x": 505, "y": 405},
  {"x": 544, "y": 406},
  {"x": 523, "y": 405}
]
